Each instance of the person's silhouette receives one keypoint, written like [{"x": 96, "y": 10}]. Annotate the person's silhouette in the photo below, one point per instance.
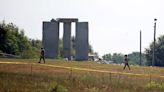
[
  {"x": 126, "y": 62},
  {"x": 42, "y": 55}
]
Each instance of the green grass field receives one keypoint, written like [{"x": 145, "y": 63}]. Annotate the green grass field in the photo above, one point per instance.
[{"x": 61, "y": 76}]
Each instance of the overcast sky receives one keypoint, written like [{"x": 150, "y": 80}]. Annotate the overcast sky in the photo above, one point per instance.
[{"x": 114, "y": 25}]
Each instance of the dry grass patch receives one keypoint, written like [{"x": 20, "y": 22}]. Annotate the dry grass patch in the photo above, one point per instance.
[{"x": 32, "y": 77}]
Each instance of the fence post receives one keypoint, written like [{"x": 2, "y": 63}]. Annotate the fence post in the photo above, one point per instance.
[
  {"x": 71, "y": 74},
  {"x": 31, "y": 69},
  {"x": 118, "y": 78},
  {"x": 150, "y": 79},
  {"x": 71, "y": 79},
  {"x": 103, "y": 79},
  {"x": 110, "y": 76}
]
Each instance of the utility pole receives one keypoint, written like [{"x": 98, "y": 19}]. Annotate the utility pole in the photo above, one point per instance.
[
  {"x": 153, "y": 60},
  {"x": 140, "y": 47}
]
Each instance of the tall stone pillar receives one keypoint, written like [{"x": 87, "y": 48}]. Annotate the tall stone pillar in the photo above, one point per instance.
[
  {"x": 50, "y": 38},
  {"x": 81, "y": 41},
  {"x": 67, "y": 40}
]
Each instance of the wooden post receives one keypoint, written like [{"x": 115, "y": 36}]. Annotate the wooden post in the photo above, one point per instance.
[{"x": 140, "y": 48}]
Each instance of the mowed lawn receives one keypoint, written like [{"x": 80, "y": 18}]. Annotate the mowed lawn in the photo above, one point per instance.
[{"x": 73, "y": 76}]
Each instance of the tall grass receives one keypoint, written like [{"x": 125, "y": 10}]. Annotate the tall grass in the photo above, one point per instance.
[{"x": 38, "y": 78}]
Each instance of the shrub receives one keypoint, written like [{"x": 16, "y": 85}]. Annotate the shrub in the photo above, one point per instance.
[
  {"x": 154, "y": 85},
  {"x": 57, "y": 88}
]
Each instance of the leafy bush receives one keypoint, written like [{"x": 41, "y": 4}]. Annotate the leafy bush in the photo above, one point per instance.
[
  {"x": 88, "y": 78},
  {"x": 154, "y": 85},
  {"x": 57, "y": 88}
]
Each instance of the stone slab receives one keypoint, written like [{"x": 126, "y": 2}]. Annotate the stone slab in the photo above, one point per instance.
[
  {"x": 50, "y": 39},
  {"x": 67, "y": 19},
  {"x": 81, "y": 41}
]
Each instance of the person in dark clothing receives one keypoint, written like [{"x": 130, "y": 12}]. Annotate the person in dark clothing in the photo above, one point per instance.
[
  {"x": 42, "y": 55},
  {"x": 126, "y": 62}
]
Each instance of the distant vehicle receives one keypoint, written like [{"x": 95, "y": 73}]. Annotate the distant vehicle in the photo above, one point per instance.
[{"x": 92, "y": 57}]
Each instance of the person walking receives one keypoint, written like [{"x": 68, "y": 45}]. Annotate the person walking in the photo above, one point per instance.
[
  {"x": 42, "y": 55},
  {"x": 126, "y": 62}
]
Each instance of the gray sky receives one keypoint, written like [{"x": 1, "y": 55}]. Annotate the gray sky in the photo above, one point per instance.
[{"x": 114, "y": 25}]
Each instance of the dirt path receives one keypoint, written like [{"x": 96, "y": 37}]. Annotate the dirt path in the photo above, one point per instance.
[{"x": 83, "y": 69}]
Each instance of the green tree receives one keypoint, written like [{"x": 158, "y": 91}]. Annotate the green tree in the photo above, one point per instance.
[
  {"x": 13, "y": 41},
  {"x": 134, "y": 58},
  {"x": 61, "y": 51},
  {"x": 73, "y": 45},
  {"x": 107, "y": 57},
  {"x": 117, "y": 58},
  {"x": 9, "y": 38},
  {"x": 159, "y": 52}
]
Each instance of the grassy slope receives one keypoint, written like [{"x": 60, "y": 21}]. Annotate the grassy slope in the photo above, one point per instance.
[{"x": 38, "y": 78}]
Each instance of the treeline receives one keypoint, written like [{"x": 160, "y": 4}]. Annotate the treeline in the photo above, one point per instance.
[
  {"x": 13, "y": 41},
  {"x": 118, "y": 58},
  {"x": 159, "y": 52},
  {"x": 134, "y": 58}
]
